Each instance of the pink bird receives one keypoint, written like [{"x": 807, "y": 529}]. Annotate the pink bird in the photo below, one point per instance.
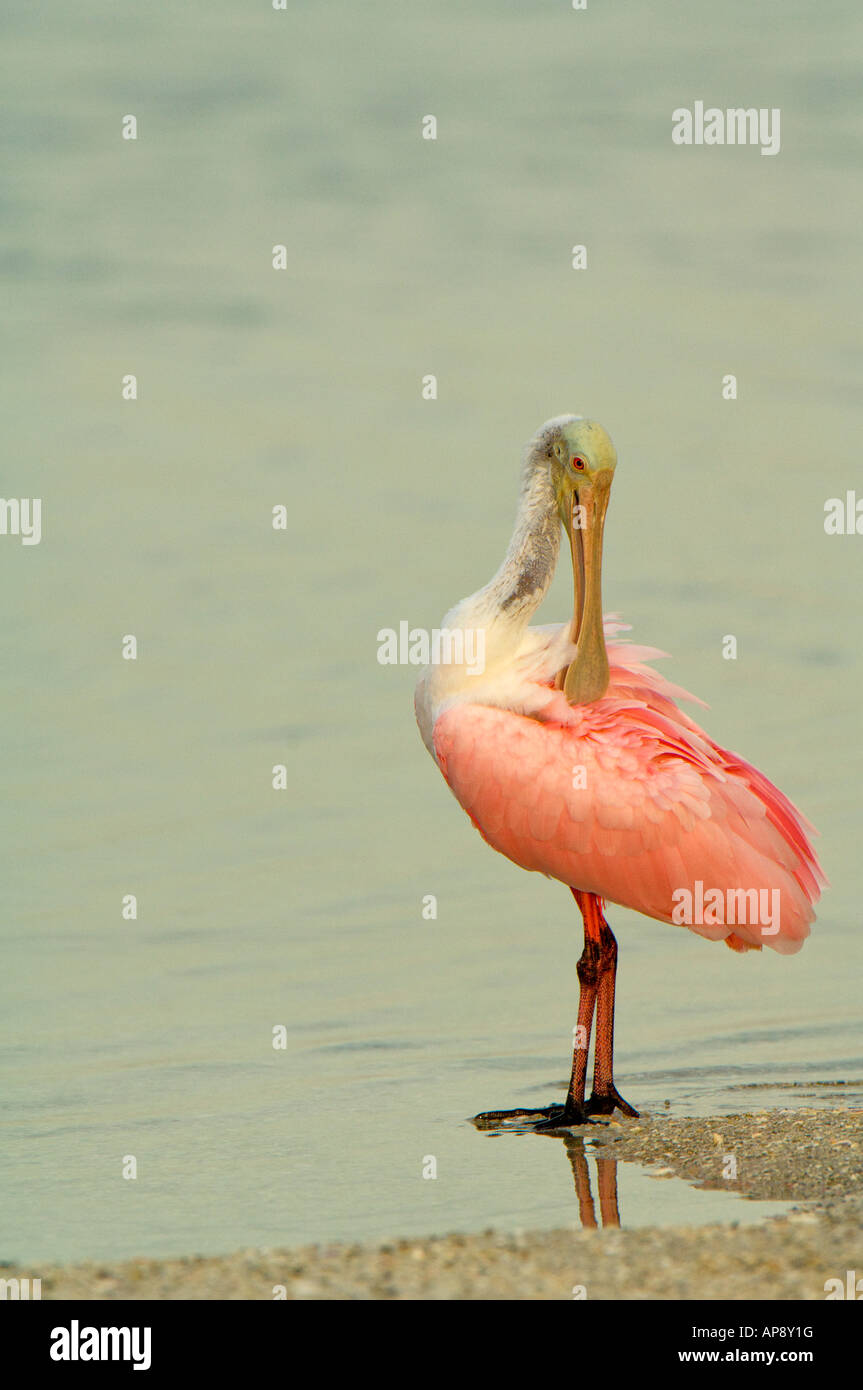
[{"x": 572, "y": 758}]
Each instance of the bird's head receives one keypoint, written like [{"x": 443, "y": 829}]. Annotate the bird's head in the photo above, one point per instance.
[{"x": 582, "y": 459}]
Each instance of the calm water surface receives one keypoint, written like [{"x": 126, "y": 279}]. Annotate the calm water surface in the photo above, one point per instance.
[{"x": 302, "y": 908}]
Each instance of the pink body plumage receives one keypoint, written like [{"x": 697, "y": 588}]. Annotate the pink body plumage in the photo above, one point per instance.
[{"x": 628, "y": 798}]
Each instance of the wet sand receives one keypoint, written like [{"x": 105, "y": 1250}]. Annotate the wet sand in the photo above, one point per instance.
[{"x": 813, "y": 1157}]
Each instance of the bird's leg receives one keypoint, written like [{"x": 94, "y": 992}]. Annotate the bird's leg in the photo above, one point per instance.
[
  {"x": 597, "y": 967},
  {"x": 605, "y": 1096},
  {"x": 574, "y": 1111}
]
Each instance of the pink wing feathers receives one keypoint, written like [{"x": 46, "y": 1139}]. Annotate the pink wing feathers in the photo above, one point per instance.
[{"x": 627, "y": 798}]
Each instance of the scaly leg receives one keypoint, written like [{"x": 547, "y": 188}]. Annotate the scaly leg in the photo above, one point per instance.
[
  {"x": 597, "y": 967},
  {"x": 574, "y": 1111},
  {"x": 605, "y": 1096}
]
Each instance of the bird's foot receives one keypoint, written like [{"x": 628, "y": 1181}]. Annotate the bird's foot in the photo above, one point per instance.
[
  {"x": 562, "y": 1117},
  {"x": 607, "y": 1101},
  {"x": 541, "y": 1120}
]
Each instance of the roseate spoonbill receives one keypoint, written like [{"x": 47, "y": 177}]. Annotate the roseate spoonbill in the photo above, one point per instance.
[{"x": 572, "y": 758}]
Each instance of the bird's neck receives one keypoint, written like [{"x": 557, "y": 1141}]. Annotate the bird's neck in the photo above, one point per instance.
[
  {"x": 515, "y": 592},
  {"x": 523, "y": 580},
  {"x": 497, "y": 615}
]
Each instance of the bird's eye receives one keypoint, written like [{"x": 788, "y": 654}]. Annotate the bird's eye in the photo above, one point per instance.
[{"x": 578, "y": 463}]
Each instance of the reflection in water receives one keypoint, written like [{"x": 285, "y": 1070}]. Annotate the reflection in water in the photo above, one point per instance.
[
  {"x": 606, "y": 1181},
  {"x": 538, "y": 1121}
]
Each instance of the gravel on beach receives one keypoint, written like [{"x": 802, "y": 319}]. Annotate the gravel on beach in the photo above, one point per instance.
[{"x": 813, "y": 1157}]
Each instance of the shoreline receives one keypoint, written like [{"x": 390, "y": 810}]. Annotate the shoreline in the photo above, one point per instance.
[{"x": 811, "y": 1156}]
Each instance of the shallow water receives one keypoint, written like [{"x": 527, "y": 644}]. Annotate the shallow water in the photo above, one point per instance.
[
  {"x": 606, "y": 1193},
  {"x": 303, "y": 908}
]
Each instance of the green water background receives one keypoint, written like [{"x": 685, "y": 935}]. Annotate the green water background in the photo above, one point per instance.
[{"x": 257, "y": 647}]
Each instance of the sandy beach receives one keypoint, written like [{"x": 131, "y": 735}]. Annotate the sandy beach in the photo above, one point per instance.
[{"x": 812, "y": 1157}]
